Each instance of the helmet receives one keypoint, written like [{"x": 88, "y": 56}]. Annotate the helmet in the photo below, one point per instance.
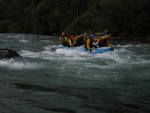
[
  {"x": 91, "y": 35},
  {"x": 72, "y": 37},
  {"x": 103, "y": 34},
  {"x": 62, "y": 33},
  {"x": 105, "y": 31},
  {"x": 84, "y": 33}
]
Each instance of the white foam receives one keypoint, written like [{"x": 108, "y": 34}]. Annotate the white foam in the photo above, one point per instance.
[
  {"x": 42, "y": 54},
  {"x": 45, "y": 41},
  {"x": 72, "y": 54},
  {"x": 24, "y": 41},
  {"x": 95, "y": 66},
  {"x": 125, "y": 46},
  {"x": 49, "y": 48},
  {"x": 118, "y": 57},
  {"x": 26, "y": 53},
  {"x": 18, "y": 65},
  {"x": 141, "y": 61}
]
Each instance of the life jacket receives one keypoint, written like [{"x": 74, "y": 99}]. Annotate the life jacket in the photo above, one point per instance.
[
  {"x": 72, "y": 41},
  {"x": 90, "y": 45},
  {"x": 80, "y": 41},
  {"x": 64, "y": 41},
  {"x": 104, "y": 41}
]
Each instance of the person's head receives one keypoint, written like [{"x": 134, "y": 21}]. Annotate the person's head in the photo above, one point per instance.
[
  {"x": 71, "y": 37},
  {"x": 63, "y": 34},
  {"x": 105, "y": 31},
  {"x": 91, "y": 36},
  {"x": 84, "y": 34},
  {"x": 103, "y": 34}
]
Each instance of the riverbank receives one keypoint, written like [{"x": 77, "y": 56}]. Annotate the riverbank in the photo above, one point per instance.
[
  {"x": 133, "y": 39},
  {"x": 119, "y": 38}
]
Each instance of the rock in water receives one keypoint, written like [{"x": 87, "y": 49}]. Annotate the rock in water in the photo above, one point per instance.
[{"x": 8, "y": 53}]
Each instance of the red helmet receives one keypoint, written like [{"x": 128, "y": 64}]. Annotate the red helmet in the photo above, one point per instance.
[
  {"x": 72, "y": 37},
  {"x": 62, "y": 33}
]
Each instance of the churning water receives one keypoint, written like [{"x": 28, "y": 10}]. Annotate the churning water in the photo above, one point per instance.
[{"x": 51, "y": 80}]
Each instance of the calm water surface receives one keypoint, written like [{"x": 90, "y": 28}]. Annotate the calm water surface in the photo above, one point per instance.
[{"x": 51, "y": 80}]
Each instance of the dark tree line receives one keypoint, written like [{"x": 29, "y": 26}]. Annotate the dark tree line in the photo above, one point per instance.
[{"x": 120, "y": 17}]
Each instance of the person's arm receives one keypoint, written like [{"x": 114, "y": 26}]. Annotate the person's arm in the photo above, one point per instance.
[
  {"x": 88, "y": 45},
  {"x": 108, "y": 43},
  {"x": 95, "y": 40},
  {"x": 70, "y": 44}
]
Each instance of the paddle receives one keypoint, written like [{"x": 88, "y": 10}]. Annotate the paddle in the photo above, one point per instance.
[
  {"x": 110, "y": 42},
  {"x": 95, "y": 44}
]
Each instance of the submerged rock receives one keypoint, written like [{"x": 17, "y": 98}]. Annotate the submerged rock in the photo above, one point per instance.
[{"x": 8, "y": 53}]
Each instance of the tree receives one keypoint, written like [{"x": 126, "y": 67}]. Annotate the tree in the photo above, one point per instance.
[
  {"x": 40, "y": 18},
  {"x": 121, "y": 17},
  {"x": 3, "y": 10},
  {"x": 16, "y": 10}
]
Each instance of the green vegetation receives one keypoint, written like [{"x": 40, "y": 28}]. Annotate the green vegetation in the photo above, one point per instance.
[{"x": 122, "y": 17}]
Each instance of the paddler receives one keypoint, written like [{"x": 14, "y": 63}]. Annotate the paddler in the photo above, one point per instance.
[
  {"x": 71, "y": 41},
  {"x": 105, "y": 41},
  {"x": 63, "y": 40},
  {"x": 80, "y": 40},
  {"x": 89, "y": 42}
]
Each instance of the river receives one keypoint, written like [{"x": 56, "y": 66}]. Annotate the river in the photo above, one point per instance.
[{"x": 51, "y": 80}]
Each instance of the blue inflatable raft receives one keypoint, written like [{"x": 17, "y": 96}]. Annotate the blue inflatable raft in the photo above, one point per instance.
[{"x": 94, "y": 51}]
